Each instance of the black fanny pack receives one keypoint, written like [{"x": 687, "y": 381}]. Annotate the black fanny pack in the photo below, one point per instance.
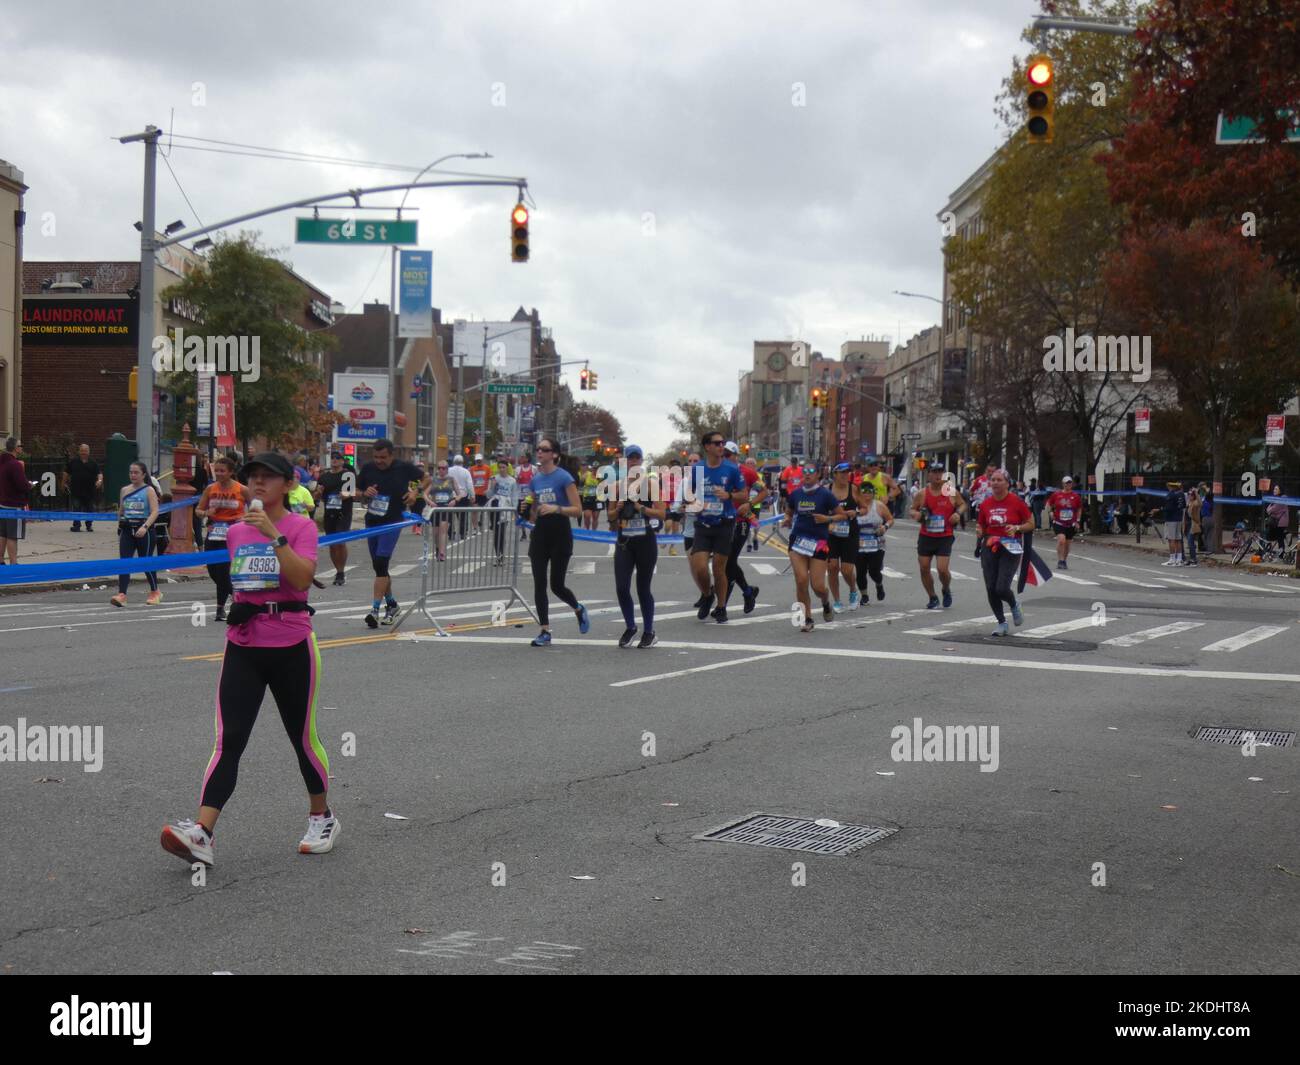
[{"x": 244, "y": 612}]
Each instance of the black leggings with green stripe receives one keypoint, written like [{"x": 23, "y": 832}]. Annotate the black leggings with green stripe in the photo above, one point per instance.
[{"x": 246, "y": 673}]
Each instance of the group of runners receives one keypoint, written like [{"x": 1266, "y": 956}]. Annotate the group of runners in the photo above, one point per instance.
[{"x": 837, "y": 538}]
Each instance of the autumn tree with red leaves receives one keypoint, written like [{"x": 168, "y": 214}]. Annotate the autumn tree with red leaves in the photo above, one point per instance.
[
  {"x": 1198, "y": 59},
  {"x": 1223, "y": 325}
]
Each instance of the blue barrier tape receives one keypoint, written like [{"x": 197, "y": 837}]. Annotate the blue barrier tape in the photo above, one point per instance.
[
  {"x": 74, "y": 515},
  {"x": 41, "y": 572}
]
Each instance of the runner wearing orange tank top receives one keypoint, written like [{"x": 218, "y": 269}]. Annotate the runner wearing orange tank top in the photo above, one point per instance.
[{"x": 222, "y": 503}]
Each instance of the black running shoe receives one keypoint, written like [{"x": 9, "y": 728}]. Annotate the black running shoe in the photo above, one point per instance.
[
  {"x": 751, "y": 597},
  {"x": 704, "y": 605},
  {"x": 626, "y": 639},
  {"x": 391, "y": 611},
  {"x": 221, "y": 613},
  {"x": 648, "y": 639},
  {"x": 720, "y": 615},
  {"x": 880, "y": 591},
  {"x": 372, "y": 620},
  {"x": 828, "y": 611},
  {"x": 338, "y": 580}
]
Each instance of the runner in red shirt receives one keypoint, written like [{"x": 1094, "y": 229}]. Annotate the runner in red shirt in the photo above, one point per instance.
[
  {"x": 1066, "y": 506},
  {"x": 935, "y": 507},
  {"x": 1002, "y": 518}
]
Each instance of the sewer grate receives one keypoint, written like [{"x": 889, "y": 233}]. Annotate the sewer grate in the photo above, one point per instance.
[
  {"x": 1022, "y": 641},
  {"x": 797, "y": 834},
  {"x": 1236, "y": 737}
]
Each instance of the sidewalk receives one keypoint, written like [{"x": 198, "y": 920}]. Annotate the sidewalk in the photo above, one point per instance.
[{"x": 1045, "y": 545}]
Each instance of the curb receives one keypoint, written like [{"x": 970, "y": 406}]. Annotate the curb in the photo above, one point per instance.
[{"x": 1204, "y": 560}]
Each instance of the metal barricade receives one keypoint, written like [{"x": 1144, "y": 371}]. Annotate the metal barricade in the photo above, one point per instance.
[{"x": 484, "y": 558}]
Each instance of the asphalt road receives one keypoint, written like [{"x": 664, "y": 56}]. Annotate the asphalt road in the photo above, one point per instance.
[{"x": 530, "y": 768}]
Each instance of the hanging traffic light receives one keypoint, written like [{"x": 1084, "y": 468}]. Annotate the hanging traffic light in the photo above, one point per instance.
[
  {"x": 1040, "y": 103},
  {"x": 816, "y": 397},
  {"x": 583, "y": 375},
  {"x": 519, "y": 234},
  {"x": 592, "y": 381}
]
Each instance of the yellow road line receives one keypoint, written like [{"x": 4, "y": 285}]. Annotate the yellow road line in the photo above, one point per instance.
[{"x": 354, "y": 641}]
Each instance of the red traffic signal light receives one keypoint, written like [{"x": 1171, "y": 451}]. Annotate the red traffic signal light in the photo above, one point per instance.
[
  {"x": 582, "y": 379},
  {"x": 519, "y": 234},
  {"x": 1040, "y": 105}
]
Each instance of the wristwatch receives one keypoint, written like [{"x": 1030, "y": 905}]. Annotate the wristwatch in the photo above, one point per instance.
[{"x": 281, "y": 541}]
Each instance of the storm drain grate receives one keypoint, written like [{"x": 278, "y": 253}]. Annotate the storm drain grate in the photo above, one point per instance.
[
  {"x": 798, "y": 834},
  {"x": 1236, "y": 737}
]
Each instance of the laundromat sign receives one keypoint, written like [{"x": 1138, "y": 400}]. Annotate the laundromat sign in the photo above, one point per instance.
[{"x": 66, "y": 322}]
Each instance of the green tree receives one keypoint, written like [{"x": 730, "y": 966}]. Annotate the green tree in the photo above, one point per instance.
[
  {"x": 1033, "y": 266},
  {"x": 244, "y": 291},
  {"x": 694, "y": 417}
]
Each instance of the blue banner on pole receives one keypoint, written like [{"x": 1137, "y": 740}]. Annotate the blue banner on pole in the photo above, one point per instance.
[{"x": 415, "y": 294}]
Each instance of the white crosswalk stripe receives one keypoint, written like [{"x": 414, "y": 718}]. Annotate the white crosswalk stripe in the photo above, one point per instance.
[
  {"x": 1042, "y": 632},
  {"x": 1261, "y": 587},
  {"x": 764, "y": 569},
  {"x": 1058, "y": 575},
  {"x": 1181, "y": 583},
  {"x": 895, "y": 574},
  {"x": 1128, "y": 580},
  {"x": 1245, "y": 639},
  {"x": 1134, "y": 638},
  {"x": 948, "y": 626},
  {"x": 961, "y": 576}
]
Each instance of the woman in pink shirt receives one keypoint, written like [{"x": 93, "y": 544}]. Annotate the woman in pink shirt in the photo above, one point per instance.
[{"x": 269, "y": 644}]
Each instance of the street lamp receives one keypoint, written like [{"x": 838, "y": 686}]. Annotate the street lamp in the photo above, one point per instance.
[
  {"x": 919, "y": 296},
  {"x": 392, "y": 286}
]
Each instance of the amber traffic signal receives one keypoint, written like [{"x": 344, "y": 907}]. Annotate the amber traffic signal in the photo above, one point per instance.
[
  {"x": 519, "y": 234},
  {"x": 1040, "y": 102}
]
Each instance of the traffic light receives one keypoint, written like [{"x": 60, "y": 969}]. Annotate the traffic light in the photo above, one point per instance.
[
  {"x": 821, "y": 397},
  {"x": 583, "y": 375},
  {"x": 350, "y": 455},
  {"x": 918, "y": 460},
  {"x": 519, "y": 234},
  {"x": 1040, "y": 103},
  {"x": 592, "y": 381}
]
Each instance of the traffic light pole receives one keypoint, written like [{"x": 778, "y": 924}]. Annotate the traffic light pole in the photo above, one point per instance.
[{"x": 150, "y": 246}]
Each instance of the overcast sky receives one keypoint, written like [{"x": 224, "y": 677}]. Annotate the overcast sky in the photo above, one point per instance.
[{"x": 685, "y": 205}]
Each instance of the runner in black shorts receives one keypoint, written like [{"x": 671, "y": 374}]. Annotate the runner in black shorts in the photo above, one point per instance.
[
  {"x": 385, "y": 485},
  {"x": 718, "y": 489},
  {"x": 842, "y": 541},
  {"x": 442, "y": 494},
  {"x": 337, "y": 488},
  {"x": 935, "y": 507}
]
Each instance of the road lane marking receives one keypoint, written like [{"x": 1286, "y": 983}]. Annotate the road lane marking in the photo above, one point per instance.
[
  {"x": 765, "y": 569},
  {"x": 1106, "y": 669},
  {"x": 1042, "y": 632},
  {"x": 1180, "y": 583},
  {"x": 1058, "y": 575},
  {"x": 1245, "y": 639},
  {"x": 1127, "y": 580},
  {"x": 948, "y": 626},
  {"x": 697, "y": 669},
  {"x": 1134, "y": 638},
  {"x": 1261, "y": 587}
]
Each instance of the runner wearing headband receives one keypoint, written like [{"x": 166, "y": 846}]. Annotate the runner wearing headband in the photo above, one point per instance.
[{"x": 269, "y": 644}]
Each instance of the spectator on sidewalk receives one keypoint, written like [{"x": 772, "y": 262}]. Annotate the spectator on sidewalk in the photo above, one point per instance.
[
  {"x": 1173, "y": 508},
  {"x": 1035, "y": 501},
  {"x": 15, "y": 492},
  {"x": 1192, "y": 524},
  {"x": 82, "y": 479},
  {"x": 1279, "y": 519},
  {"x": 1207, "y": 518}
]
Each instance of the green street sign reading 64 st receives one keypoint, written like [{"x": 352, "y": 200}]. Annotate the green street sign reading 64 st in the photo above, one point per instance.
[{"x": 351, "y": 231}]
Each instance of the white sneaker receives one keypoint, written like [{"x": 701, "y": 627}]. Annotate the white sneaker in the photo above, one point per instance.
[
  {"x": 322, "y": 832},
  {"x": 188, "y": 840},
  {"x": 1169, "y": 563}
]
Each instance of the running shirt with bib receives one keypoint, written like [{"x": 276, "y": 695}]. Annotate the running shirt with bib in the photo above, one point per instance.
[
  {"x": 256, "y": 578},
  {"x": 1066, "y": 507},
  {"x": 996, "y": 516},
  {"x": 135, "y": 507},
  {"x": 871, "y": 532},
  {"x": 806, "y": 535},
  {"x": 706, "y": 478},
  {"x": 442, "y": 492},
  {"x": 331, "y": 485},
  {"x": 390, "y": 485},
  {"x": 940, "y": 512},
  {"x": 848, "y": 527},
  {"x": 552, "y": 488}
]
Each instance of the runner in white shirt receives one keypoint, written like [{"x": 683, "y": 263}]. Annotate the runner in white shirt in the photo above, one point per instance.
[{"x": 503, "y": 498}]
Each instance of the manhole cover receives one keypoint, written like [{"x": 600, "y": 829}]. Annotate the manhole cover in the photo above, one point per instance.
[
  {"x": 797, "y": 834},
  {"x": 1021, "y": 641},
  {"x": 1236, "y": 737}
]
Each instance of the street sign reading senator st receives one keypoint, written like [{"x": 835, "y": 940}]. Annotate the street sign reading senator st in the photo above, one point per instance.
[
  {"x": 503, "y": 388},
  {"x": 350, "y": 231}
]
